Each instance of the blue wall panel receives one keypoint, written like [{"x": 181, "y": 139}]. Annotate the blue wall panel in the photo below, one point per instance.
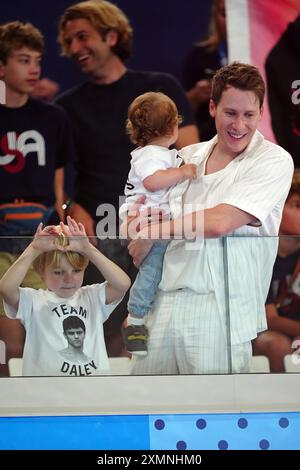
[{"x": 273, "y": 431}]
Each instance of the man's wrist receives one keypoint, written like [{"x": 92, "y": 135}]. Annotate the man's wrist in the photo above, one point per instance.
[{"x": 67, "y": 204}]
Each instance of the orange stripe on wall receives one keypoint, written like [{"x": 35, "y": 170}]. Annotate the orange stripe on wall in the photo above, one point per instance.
[
  {"x": 33, "y": 215},
  {"x": 13, "y": 205}
]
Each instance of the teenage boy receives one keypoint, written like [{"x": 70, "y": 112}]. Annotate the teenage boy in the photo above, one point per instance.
[{"x": 35, "y": 143}]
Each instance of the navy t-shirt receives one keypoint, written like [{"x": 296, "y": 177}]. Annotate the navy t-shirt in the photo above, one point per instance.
[{"x": 35, "y": 140}]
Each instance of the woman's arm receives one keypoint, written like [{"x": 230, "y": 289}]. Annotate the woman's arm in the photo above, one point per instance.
[{"x": 286, "y": 326}]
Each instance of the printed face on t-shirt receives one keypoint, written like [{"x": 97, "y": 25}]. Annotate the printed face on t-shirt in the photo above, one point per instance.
[
  {"x": 21, "y": 71},
  {"x": 64, "y": 280},
  {"x": 75, "y": 337}
]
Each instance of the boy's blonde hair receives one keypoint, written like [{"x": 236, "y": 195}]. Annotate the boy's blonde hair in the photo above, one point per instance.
[
  {"x": 104, "y": 17},
  {"x": 15, "y": 35},
  {"x": 52, "y": 259},
  {"x": 151, "y": 115}
]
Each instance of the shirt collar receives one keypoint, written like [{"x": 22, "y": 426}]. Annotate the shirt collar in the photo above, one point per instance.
[{"x": 206, "y": 148}]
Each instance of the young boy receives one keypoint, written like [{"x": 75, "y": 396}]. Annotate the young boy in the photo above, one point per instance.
[
  {"x": 153, "y": 125},
  {"x": 60, "y": 257},
  {"x": 35, "y": 144},
  {"x": 283, "y": 301}
]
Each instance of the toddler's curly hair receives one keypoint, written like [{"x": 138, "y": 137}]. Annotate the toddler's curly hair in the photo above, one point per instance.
[{"x": 151, "y": 115}]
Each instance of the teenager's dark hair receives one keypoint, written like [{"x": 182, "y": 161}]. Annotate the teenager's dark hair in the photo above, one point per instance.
[
  {"x": 73, "y": 322},
  {"x": 15, "y": 35}
]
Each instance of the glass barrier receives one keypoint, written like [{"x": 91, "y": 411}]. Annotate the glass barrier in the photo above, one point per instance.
[{"x": 209, "y": 314}]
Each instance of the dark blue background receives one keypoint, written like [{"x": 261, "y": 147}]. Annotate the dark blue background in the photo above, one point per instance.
[{"x": 164, "y": 32}]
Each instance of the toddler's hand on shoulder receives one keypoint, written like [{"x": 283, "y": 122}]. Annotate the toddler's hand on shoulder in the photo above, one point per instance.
[{"x": 189, "y": 171}]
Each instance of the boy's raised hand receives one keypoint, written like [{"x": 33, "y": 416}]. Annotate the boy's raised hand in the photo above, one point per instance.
[
  {"x": 45, "y": 238},
  {"x": 78, "y": 239}
]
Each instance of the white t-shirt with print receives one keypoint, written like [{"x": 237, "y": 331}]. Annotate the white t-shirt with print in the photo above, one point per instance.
[
  {"x": 42, "y": 313},
  {"x": 145, "y": 162}
]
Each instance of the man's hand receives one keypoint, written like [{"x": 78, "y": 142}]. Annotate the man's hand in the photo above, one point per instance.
[
  {"x": 130, "y": 226},
  {"x": 45, "y": 89},
  {"x": 138, "y": 222},
  {"x": 200, "y": 93},
  {"x": 139, "y": 249},
  {"x": 138, "y": 219}
]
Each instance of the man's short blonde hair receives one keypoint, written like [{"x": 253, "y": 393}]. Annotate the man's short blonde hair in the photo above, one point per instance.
[
  {"x": 104, "y": 17},
  {"x": 52, "y": 259}
]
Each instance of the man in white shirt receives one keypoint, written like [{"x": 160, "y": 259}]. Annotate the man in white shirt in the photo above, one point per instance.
[{"x": 212, "y": 293}]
